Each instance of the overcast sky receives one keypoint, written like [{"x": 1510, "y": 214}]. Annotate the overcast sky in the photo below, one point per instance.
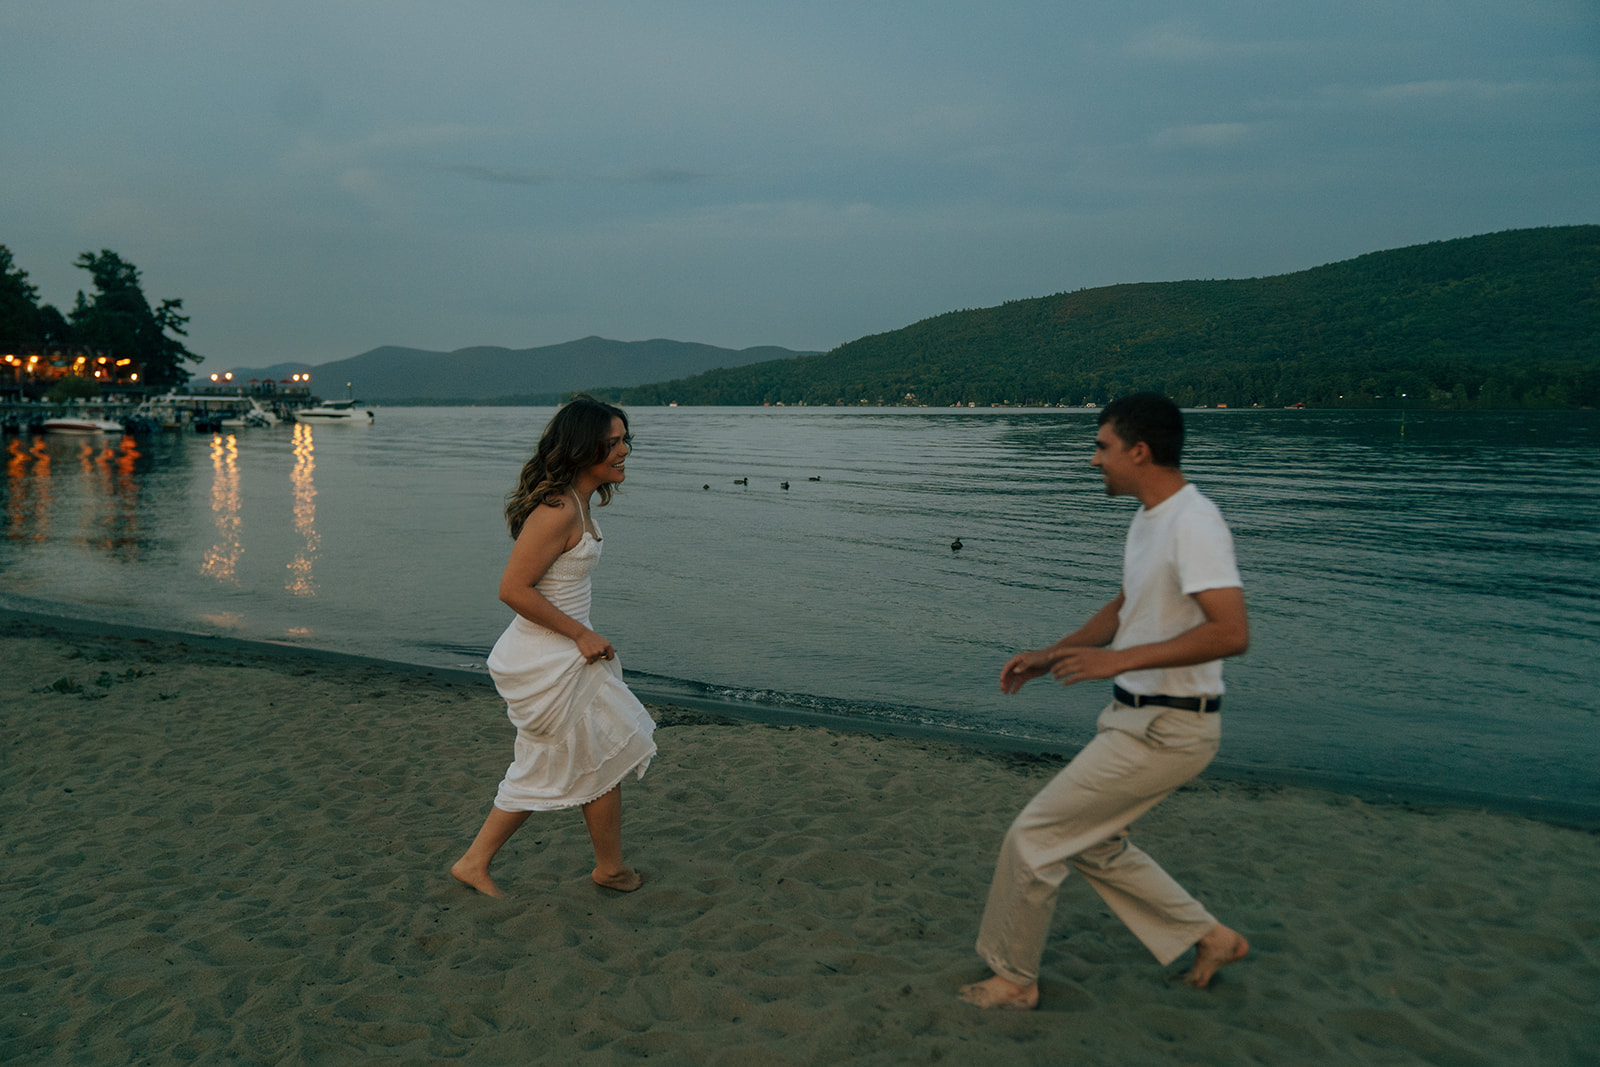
[{"x": 315, "y": 179}]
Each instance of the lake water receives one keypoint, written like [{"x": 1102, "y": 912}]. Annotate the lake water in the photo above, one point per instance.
[{"x": 1424, "y": 587}]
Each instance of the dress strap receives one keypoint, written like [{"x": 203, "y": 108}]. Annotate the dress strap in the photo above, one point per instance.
[{"x": 585, "y": 518}]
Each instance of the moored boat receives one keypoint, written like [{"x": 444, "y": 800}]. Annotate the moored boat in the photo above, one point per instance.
[
  {"x": 205, "y": 412},
  {"x": 336, "y": 412},
  {"x": 82, "y": 427},
  {"x": 254, "y": 415}
]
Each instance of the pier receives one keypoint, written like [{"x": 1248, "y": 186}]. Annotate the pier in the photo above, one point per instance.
[{"x": 203, "y": 411}]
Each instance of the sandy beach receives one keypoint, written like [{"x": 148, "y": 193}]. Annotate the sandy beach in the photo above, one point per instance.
[{"x": 223, "y": 852}]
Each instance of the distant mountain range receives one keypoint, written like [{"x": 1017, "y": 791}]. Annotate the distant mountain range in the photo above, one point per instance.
[{"x": 488, "y": 374}]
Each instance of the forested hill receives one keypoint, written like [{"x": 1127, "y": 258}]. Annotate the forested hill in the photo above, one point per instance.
[{"x": 1508, "y": 319}]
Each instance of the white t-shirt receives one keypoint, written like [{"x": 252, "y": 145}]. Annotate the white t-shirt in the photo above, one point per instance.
[{"x": 1174, "y": 550}]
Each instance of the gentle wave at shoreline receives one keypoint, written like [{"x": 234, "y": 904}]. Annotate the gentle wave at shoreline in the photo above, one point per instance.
[{"x": 773, "y": 708}]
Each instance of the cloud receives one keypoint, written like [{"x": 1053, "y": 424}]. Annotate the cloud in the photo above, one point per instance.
[
  {"x": 804, "y": 221},
  {"x": 642, "y": 176},
  {"x": 497, "y": 176},
  {"x": 1174, "y": 42},
  {"x": 1457, "y": 89},
  {"x": 360, "y": 180},
  {"x": 298, "y": 104},
  {"x": 310, "y": 154},
  {"x": 1203, "y": 135}
]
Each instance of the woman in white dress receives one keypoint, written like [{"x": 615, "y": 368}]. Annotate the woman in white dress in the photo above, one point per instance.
[{"x": 580, "y": 731}]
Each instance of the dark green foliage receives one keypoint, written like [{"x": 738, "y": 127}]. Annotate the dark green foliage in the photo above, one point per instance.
[
  {"x": 117, "y": 321},
  {"x": 120, "y": 321},
  {"x": 23, "y": 323},
  {"x": 72, "y": 387},
  {"x": 1503, "y": 320}
]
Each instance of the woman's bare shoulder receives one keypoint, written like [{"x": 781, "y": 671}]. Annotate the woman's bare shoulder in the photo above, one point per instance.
[{"x": 552, "y": 518}]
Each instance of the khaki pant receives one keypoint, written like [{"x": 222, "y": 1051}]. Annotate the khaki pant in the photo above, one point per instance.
[{"x": 1138, "y": 756}]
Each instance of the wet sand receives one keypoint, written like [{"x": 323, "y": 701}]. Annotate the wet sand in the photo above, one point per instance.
[{"x": 225, "y": 852}]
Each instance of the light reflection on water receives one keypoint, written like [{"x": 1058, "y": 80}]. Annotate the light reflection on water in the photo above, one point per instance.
[
  {"x": 222, "y": 559},
  {"x": 28, "y": 486},
  {"x": 301, "y": 580},
  {"x": 1424, "y": 589},
  {"x": 98, "y": 474}
]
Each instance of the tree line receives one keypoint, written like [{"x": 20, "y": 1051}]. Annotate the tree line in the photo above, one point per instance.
[
  {"x": 1502, "y": 320},
  {"x": 115, "y": 318}
]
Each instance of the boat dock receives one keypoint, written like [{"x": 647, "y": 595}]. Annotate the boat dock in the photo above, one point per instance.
[{"x": 171, "y": 412}]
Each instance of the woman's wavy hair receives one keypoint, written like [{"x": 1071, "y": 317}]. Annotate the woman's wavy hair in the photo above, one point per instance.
[{"x": 574, "y": 439}]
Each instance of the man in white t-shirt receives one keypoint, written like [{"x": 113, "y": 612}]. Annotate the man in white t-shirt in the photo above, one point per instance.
[{"x": 1162, "y": 640}]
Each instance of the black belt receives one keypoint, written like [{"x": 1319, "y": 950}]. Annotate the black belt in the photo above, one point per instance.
[{"x": 1184, "y": 703}]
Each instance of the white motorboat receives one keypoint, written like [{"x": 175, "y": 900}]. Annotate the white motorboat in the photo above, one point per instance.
[
  {"x": 254, "y": 415},
  {"x": 82, "y": 427},
  {"x": 335, "y": 412}
]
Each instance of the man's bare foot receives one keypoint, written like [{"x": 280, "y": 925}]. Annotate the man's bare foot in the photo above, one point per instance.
[
  {"x": 1001, "y": 993},
  {"x": 1214, "y": 951},
  {"x": 623, "y": 881},
  {"x": 476, "y": 877}
]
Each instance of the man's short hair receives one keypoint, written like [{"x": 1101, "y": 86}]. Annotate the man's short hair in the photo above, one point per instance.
[{"x": 1151, "y": 418}]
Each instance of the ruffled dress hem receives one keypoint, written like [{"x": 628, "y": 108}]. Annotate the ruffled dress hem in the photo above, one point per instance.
[{"x": 637, "y": 770}]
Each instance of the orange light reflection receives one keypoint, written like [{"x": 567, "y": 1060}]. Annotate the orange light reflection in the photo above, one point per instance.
[
  {"x": 301, "y": 580},
  {"x": 29, "y": 494},
  {"x": 222, "y": 561}
]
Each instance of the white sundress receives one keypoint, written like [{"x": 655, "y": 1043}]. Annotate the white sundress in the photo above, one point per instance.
[{"x": 580, "y": 729}]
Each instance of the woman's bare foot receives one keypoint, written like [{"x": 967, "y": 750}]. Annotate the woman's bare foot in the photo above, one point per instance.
[
  {"x": 1001, "y": 993},
  {"x": 1214, "y": 951},
  {"x": 623, "y": 881},
  {"x": 476, "y": 877}
]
